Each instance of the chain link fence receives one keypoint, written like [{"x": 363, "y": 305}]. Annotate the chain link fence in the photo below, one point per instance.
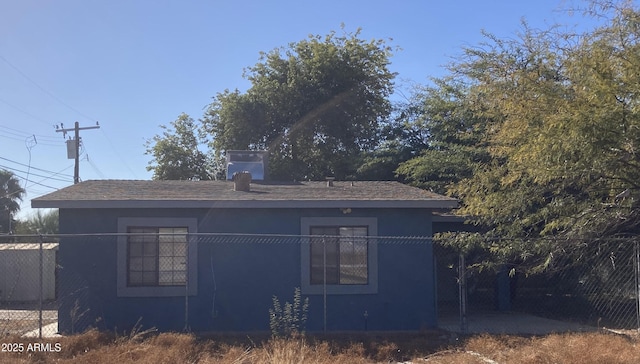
[
  {"x": 68, "y": 283},
  {"x": 600, "y": 288},
  {"x": 597, "y": 285},
  {"x": 28, "y": 293}
]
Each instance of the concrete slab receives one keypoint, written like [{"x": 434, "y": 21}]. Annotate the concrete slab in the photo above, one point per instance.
[
  {"x": 50, "y": 330},
  {"x": 510, "y": 323}
]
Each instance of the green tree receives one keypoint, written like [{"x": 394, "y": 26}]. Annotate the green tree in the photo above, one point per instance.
[
  {"x": 39, "y": 223},
  {"x": 452, "y": 137},
  {"x": 402, "y": 137},
  {"x": 562, "y": 129},
  {"x": 176, "y": 153},
  {"x": 11, "y": 195},
  {"x": 315, "y": 105}
]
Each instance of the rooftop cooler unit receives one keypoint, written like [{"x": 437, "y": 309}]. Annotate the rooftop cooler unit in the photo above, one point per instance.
[{"x": 254, "y": 162}]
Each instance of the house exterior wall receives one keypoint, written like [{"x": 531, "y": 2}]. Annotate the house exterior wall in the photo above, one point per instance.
[{"x": 236, "y": 281}]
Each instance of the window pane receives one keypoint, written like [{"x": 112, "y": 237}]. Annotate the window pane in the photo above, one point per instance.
[
  {"x": 353, "y": 231},
  {"x": 158, "y": 257},
  {"x": 324, "y": 230},
  {"x": 149, "y": 263},
  {"x": 172, "y": 234},
  {"x": 135, "y": 249},
  {"x": 135, "y": 278},
  {"x": 149, "y": 234},
  {"x": 173, "y": 256},
  {"x": 166, "y": 249},
  {"x": 150, "y": 249},
  {"x": 141, "y": 257},
  {"x": 180, "y": 249},
  {"x": 179, "y": 277},
  {"x": 353, "y": 261},
  {"x": 165, "y": 264},
  {"x": 353, "y": 255},
  {"x": 135, "y": 264},
  {"x": 346, "y": 256},
  {"x": 165, "y": 278},
  {"x": 150, "y": 278},
  {"x": 318, "y": 255}
]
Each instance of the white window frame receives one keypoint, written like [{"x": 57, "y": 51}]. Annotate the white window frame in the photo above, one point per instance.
[
  {"x": 191, "y": 285},
  {"x": 372, "y": 255}
]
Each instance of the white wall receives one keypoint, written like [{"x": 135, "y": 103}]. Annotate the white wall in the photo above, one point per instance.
[{"x": 20, "y": 273}]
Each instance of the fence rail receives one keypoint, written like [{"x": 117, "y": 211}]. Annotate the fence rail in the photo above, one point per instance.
[{"x": 601, "y": 290}]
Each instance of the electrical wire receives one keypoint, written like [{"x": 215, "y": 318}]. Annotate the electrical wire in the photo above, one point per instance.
[
  {"x": 63, "y": 103},
  {"x": 30, "y": 143},
  {"x": 117, "y": 153},
  {"x": 37, "y": 175},
  {"x": 39, "y": 169},
  {"x": 26, "y": 134},
  {"x": 14, "y": 136},
  {"x": 95, "y": 168},
  {"x": 33, "y": 182},
  {"x": 25, "y": 112},
  {"x": 44, "y": 90}
]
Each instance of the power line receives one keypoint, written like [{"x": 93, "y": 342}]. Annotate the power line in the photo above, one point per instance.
[
  {"x": 43, "y": 89},
  {"x": 39, "y": 169},
  {"x": 12, "y": 138},
  {"x": 13, "y": 133},
  {"x": 95, "y": 168},
  {"x": 38, "y": 175},
  {"x": 65, "y": 104},
  {"x": 28, "y": 134},
  {"x": 124, "y": 162},
  {"x": 23, "y": 139},
  {"x": 24, "y": 112},
  {"x": 32, "y": 182}
]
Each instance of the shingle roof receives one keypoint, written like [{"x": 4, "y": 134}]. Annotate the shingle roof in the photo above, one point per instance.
[{"x": 208, "y": 194}]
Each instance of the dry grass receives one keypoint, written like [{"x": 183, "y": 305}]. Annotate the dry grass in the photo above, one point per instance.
[
  {"x": 558, "y": 348},
  {"x": 96, "y": 347}
]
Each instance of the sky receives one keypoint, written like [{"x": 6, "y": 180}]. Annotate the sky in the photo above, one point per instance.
[{"x": 132, "y": 65}]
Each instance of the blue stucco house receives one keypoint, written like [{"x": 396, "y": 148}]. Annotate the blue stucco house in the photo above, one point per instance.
[{"x": 210, "y": 255}]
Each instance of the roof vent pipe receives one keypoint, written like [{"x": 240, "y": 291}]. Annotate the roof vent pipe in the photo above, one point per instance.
[
  {"x": 330, "y": 181},
  {"x": 242, "y": 181}
]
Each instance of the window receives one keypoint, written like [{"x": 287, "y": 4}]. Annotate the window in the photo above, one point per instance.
[
  {"x": 343, "y": 250},
  {"x": 157, "y": 257},
  {"x": 339, "y": 255}
]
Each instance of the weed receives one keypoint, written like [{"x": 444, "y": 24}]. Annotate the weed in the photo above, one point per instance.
[
  {"x": 76, "y": 315},
  {"x": 136, "y": 334},
  {"x": 289, "y": 320}
]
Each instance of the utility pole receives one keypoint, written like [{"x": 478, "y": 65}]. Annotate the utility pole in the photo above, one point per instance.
[{"x": 76, "y": 140}]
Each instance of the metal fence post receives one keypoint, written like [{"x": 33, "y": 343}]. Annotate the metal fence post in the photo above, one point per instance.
[
  {"x": 186, "y": 285},
  {"x": 324, "y": 284},
  {"x": 462, "y": 291},
  {"x": 41, "y": 287},
  {"x": 637, "y": 282}
]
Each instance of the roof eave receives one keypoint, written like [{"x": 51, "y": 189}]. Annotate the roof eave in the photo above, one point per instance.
[{"x": 444, "y": 204}]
